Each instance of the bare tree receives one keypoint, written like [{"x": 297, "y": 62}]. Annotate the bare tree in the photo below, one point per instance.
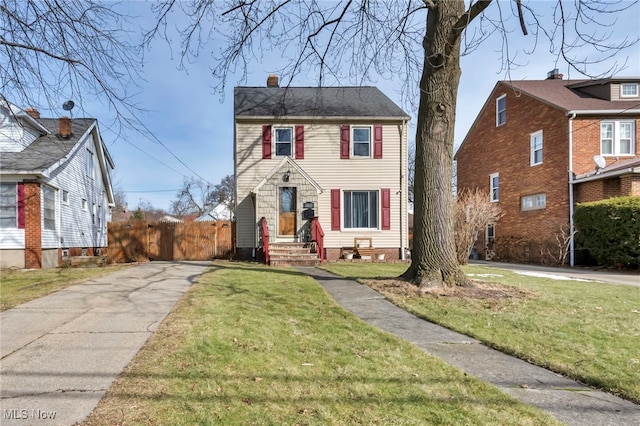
[
  {"x": 193, "y": 198},
  {"x": 354, "y": 40},
  {"x": 224, "y": 194},
  {"x": 474, "y": 211},
  {"x": 52, "y": 51}
]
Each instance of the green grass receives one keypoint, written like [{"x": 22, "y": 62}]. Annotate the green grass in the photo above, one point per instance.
[
  {"x": 20, "y": 286},
  {"x": 585, "y": 330},
  {"x": 250, "y": 344}
]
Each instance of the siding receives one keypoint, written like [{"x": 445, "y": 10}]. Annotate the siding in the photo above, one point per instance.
[
  {"x": 323, "y": 164},
  {"x": 74, "y": 225},
  {"x": 14, "y": 136}
]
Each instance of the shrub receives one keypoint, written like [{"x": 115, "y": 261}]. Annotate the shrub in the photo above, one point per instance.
[{"x": 610, "y": 231}]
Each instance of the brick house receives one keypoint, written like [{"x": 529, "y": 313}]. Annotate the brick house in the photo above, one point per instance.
[
  {"x": 538, "y": 147},
  {"x": 336, "y": 155},
  {"x": 55, "y": 188}
]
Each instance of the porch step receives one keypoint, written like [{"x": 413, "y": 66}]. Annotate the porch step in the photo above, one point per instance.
[{"x": 288, "y": 254}]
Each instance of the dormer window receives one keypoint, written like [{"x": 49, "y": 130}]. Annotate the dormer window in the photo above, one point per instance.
[{"x": 629, "y": 90}]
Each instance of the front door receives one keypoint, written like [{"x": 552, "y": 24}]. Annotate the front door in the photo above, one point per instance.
[{"x": 287, "y": 211}]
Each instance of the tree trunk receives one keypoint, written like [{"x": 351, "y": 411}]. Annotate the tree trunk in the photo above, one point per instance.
[{"x": 433, "y": 259}]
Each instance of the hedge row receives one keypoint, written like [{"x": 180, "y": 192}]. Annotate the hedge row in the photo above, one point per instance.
[{"x": 609, "y": 230}]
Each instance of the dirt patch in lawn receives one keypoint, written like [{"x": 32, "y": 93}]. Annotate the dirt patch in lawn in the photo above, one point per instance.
[{"x": 476, "y": 290}]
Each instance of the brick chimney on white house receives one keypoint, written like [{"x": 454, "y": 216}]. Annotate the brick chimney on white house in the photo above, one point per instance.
[
  {"x": 65, "y": 127},
  {"x": 34, "y": 113},
  {"x": 272, "y": 81}
]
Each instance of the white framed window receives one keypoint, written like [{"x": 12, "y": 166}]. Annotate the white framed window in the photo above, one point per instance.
[
  {"x": 85, "y": 205},
  {"x": 629, "y": 90},
  {"x": 283, "y": 137},
  {"x": 8, "y": 205},
  {"x": 536, "y": 147},
  {"x": 361, "y": 141},
  {"x": 360, "y": 209},
  {"x": 494, "y": 186},
  {"x": 65, "y": 197},
  {"x": 617, "y": 138},
  {"x": 533, "y": 202},
  {"x": 89, "y": 163},
  {"x": 48, "y": 207},
  {"x": 501, "y": 110}
]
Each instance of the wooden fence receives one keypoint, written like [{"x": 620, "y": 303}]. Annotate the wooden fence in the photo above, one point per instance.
[{"x": 140, "y": 241}]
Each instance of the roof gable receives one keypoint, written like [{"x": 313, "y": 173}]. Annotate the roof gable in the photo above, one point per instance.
[
  {"x": 575, "y": 95},
  {"x": 336, "y": 102}
]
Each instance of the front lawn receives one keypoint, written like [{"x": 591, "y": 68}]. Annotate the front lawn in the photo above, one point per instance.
[
  {"x": 251, "y": 344},
  {"x": 19, "y": 286},
  {"x": 588, "y": 331}
]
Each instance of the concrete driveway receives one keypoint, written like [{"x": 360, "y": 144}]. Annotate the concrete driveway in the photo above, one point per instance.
[{"x": 61, "y": 353}]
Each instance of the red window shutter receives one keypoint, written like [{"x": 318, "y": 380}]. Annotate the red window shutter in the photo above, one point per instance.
[
  {"x": 344, "y": 141},
  {"x": 299, "y": 142},
  {"x": 21, "y": 206},
  {"x": 266, "y": 142},
  {"x": 335, "y": 209},
  {"x": 386, "y": 208},
  {"x": 377, "y": 141}
]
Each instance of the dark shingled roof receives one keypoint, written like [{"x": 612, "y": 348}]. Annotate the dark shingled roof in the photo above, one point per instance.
[
  {"x": 565, "y": 94},
  {"x": 363, "y": 101},
  {"x": 46, "y": 150}
]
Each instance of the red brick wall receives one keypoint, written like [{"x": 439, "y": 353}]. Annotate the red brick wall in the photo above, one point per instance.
[
  {"x": 32, "y": 226},
  {"x": 505, "y": 150}
]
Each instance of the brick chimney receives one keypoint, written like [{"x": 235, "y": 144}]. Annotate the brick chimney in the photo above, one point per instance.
[
  {"x": 65, "y": 127},
  {"x": 272, "y": 81},
  {"x": 554, "y": 75},
  {"x": 34, "y": 113}
]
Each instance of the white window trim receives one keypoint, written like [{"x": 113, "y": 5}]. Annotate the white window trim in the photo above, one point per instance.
[
  {"x": 85, "y": 205},
  {"x": 55, "y": 210},
  {"x": 615, "y": 144},
  {"x": 275, "y": 141},
  {"x": 65, "y": 197},
  {"x": 634, "y": 95},
  {"x": 492, "y": 188},
  {"x": 535, "y": 202},
  {"x": 498, "y": 123},
  {"x": 532, "y": 156},
  {"x": 352, "y": 141},
  {"x": 344, "y": 209},
  {"x": 90, "y": 164}
]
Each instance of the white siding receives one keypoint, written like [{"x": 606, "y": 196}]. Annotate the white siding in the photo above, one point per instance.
[
  {"x": 11, "y": 238},
  {"x": 323, "y": 164},
  {"x": 13, "y": 137},
  {"x": 74, "y": 227}
]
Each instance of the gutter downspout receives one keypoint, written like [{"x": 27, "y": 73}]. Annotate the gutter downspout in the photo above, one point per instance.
[
  {"x": 402, "y": 191},
  {"x": 571, "y": 226}
]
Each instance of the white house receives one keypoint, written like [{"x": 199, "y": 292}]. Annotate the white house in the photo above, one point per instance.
[
  {"x": 337, "y": 155},
  {"x": 55, "y": 188}
]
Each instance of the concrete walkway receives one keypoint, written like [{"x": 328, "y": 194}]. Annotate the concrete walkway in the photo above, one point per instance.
[
  {"x": 566, "y": 400},
  {"x": 61, "y": 353}
]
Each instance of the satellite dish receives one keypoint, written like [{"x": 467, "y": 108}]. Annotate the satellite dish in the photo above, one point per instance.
[
  {"x": 68, "y": 106},
  {"x": 600, "y": 161}
]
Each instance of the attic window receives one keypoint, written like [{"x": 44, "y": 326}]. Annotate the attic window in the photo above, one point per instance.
[
  {"x": 501, "y": 110},
  {"x": 629, "y": 90}
]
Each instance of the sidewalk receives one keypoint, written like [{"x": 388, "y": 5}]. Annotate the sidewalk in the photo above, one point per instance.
[
  {"x": 566, "y": 400},
  {"x": 60, "y": 353},
  {"x": 610, "y": 276}
]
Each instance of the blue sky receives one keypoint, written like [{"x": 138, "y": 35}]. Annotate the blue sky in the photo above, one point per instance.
[{"x": 196, "y": 125}]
